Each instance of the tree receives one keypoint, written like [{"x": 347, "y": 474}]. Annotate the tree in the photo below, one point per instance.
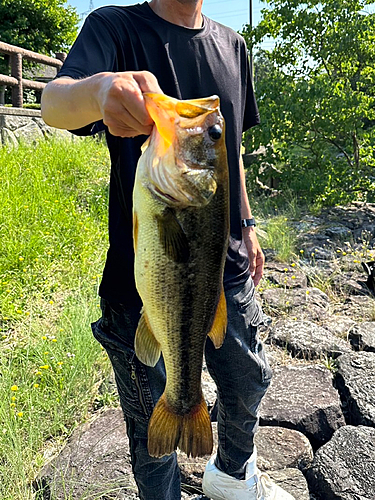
[
  {"x": 44, "y": 26},
  {"x": 317, "y": 97}
]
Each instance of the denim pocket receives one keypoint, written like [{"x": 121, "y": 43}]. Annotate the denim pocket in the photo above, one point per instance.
[{"x": 131, "y": 377}]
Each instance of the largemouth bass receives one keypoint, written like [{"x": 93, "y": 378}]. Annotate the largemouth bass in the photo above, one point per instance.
[{"x": 180, "y": 233}]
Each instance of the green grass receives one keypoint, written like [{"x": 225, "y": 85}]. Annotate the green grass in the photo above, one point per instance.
[
  {"x": 277, "y": 234},
  {"x": 53, "y": 227}
]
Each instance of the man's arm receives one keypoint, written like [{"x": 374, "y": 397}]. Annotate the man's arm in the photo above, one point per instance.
[
  {"x": 256, "y": 256},
  {"x": 116, "y": 98}
]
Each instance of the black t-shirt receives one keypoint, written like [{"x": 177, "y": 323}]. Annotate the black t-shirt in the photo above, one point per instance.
[{"x": 188, "y": 63}]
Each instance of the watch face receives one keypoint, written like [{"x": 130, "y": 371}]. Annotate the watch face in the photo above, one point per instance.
[{"x": 248, "y": 222}]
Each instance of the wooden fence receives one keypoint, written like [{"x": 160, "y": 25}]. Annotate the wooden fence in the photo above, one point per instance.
[{"x": 16, "y": 81}]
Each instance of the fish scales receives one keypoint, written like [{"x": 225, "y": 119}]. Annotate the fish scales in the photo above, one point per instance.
[{"x": 180, "y": 249}]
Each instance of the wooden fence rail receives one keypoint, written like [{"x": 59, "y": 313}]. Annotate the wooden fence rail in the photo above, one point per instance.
[{"x": 16, "y": 55}]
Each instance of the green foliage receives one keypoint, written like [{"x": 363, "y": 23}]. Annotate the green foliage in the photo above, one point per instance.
[
  {"x": 54, "y": 238},
  {"x": 317, "y": 99},
  {"x": 44, "y": 26}
]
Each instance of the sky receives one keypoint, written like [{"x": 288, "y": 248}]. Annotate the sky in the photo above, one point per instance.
[{"x": 233, "y": 13}]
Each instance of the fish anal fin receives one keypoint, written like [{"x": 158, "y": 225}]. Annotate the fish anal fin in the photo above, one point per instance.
[
  {"x": 147, "y": 348},
  {"x": 219, "y": 327},
  {"x": 135, "y": 231},
  {"x": 172, "y": 236},
  {"x": 191, "y": 433}
]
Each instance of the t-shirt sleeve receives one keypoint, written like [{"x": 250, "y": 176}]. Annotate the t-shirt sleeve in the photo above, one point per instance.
[
  {"x": 251, "y": 113},
  {"x": 94, "y": 51}
]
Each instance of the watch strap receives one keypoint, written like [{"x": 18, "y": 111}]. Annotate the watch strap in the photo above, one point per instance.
[{"x": 248, "y": 222}]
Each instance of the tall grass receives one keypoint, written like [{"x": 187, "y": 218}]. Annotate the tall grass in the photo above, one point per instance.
[{"x": 53, "y": 224}]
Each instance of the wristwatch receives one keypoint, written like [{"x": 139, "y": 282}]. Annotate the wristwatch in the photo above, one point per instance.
[{"x": 248, "y": 222}]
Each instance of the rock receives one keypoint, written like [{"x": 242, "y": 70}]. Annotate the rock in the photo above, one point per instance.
[
  {"x": 286, "y": 299},
  {"x": 292, "y": 481},
  {"x": 280, "y": 448},
  {"x": 95, "y": 461},
  {"x": 307, "y": 340},
  {"x": 8, "y": 138},
  {"x": 362, "y": 336},
  {"x": 347, "y": 283},
  {"x": 285, "y": 276},
  {"x": 303, "y": 399},
  {"x": 339, "y": 325},
  {"x": 339, "y": 233},
  {"x": 355, "y": 380},
  {"x": 28, "y": 133},
  {"x": 344, "y": 468}
]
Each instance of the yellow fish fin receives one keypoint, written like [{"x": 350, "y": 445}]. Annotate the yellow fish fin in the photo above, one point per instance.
[
  {"x": 135, "y": 231},
  {"x": 192, "y": 433},
  {"x": 147, "y": 348},
  {"x": 162, "y": 110},
  {"x": 219, "y": 327},
  {"x": 172, "y": 236}
]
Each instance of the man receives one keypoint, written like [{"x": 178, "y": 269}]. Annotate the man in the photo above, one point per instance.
[{"x": 169, "y": 46}]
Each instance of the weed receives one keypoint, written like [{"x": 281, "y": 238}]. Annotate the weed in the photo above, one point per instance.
[{"x": 53, "y": 224}]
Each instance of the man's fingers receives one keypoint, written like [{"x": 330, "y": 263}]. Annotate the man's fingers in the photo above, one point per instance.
[
  {"x": 122, "y": 103},
  {"x": 147, "y": 82}
]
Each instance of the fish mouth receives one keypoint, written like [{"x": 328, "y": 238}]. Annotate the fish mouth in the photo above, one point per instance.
[{"x": 165, "y": 196}]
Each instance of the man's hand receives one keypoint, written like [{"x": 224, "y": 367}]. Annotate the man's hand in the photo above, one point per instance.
[
  {"x": 115, "y": 98},
  {"x": 121, "y": 103},
  {"x": 256, "y": 256}
]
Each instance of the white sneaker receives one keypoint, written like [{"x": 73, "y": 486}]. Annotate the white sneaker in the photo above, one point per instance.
[{"x": 256, "y": 486}]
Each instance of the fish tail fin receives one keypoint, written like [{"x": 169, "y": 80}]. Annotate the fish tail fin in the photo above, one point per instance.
[{"x": 191, "y": 433}]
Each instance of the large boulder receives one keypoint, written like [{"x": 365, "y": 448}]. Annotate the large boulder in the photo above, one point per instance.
[
  {"x": 280, "y": 448},
  {"x": 285, "y": 276},
  {"x": 307, "y": 340},
  {"x": 362, "y": 336},
  {"x": 304, "y": 399},
  {"x": 355, "y": 380},
  {"x": 292, "y": 481},
  {"x": 344, "y": 468}
]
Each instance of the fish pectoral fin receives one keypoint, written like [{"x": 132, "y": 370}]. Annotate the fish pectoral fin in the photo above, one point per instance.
[
  {"x": 219, "y": 327},
  {"x": 172, "y": 236},
  {"x": 191, "y": 433},
  {"x": 147, "y": 348}
]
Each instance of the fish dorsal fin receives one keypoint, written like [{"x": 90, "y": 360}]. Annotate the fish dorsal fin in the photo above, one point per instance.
[
  {"x": 147, "y": 348},
  {"x": 172, "y": 236},
  {"x": 219, "y": 327}
]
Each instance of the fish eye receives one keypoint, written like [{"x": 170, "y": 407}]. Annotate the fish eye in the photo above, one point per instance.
[{"x": 215, "y": 132}]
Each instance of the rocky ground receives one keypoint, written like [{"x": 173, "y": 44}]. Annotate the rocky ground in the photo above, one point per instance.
[{"x": 317, "y": 421}]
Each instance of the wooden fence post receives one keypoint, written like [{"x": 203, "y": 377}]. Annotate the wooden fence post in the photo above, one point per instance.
[{"x": 16, "y": 72}]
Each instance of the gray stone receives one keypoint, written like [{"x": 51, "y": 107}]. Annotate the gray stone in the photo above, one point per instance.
[
  {"x": 355, "y": 380},
  {"x": 344, "y": 468},
  {"x": 339, "y": 233},
  {"x": 285, "y": 276},
  {"x": 13, "y": 122},
  {"x": 348, "y": 283},
  {"x": 94, "y": 463},
  {"x": 303, "y": 398},
  {"x": 319, "y": 253},
  {"x": 292, "y": 481},
  {"x": 287, "y": 299},
  {"x": 339, "y": 325},
  {"x": 362, "y": 336},
  {"x": 280, "y": 448},
  {"x": 8, "y": 138},
  {"x": 29, "y": 132},
  {"x": 307, "y": 340}
]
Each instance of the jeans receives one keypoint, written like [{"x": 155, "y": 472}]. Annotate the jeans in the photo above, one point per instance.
[{"x": 239, "y": 369}]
